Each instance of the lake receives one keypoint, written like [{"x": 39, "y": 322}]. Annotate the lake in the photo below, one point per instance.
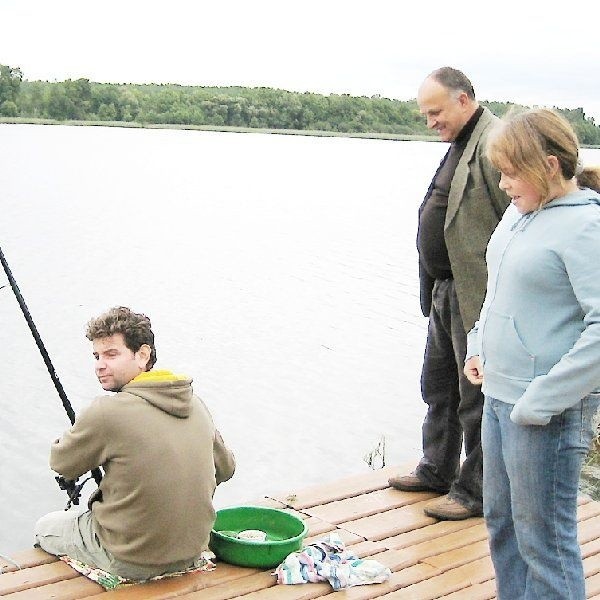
[{"x": 278, "y": 271}]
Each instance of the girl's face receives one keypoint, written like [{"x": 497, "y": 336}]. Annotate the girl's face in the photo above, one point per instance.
[{"x": 523, "y": 194}]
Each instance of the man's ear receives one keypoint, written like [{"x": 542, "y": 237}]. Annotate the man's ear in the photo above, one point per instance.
[
  {"x": 463, "y": 99},
  {"x": 143, "y": 356}
]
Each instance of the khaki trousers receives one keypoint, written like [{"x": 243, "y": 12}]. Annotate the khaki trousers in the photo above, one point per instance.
[{"x": 73, "y": 534}]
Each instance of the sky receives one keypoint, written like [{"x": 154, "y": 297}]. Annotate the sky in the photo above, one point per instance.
[{"x": 527, "y": 51}]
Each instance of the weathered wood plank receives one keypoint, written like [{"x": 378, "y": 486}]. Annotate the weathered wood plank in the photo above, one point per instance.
[
  {"x": 461, "y": 556},
  {"x": 479, "y": 591},
  {"x": 430, "y": 532},
  {"x": 365, "y": 505},
  {"x": 24, "y": 579},
  {"x": 367, "y": 548},
  {"x": 399, "y": 580},
  {"x": 391, "y": 522},
  {"x": 25, "y": 559},
  {"x": 224, "y": 574},
  {"x": 444, "y": 543},
  {"x": 591, "y": 565},
  {"x": 588, "y": 530},
  {"x": 588, "y": 510},
  {"x": 72, "y": 589},
  {"x": 232, "y": 588},
  {"x": 284, "y": 592},
  {"x": 347, "y": 537},
  {"x": 264, "y": 501},
  {"x": 590, "y": 548},
  {"x": 592, "y": 586},
  {"x": 317, "y": 527},
  {"x": 340, "y": 489},
  {"x": 444, "y": 583}
]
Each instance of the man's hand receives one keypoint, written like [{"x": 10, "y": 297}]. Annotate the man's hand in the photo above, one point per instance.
[{"x": 473, "y": 370}]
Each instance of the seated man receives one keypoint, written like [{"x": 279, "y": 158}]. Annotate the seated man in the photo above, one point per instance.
[{"x": 162, "y": 458}]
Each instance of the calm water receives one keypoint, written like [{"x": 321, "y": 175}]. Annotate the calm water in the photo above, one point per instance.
[{"x": 279, "y": 271}]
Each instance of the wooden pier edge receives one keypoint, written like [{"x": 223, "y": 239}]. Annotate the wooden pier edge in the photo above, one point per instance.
[{"x": 429, "y": 559}]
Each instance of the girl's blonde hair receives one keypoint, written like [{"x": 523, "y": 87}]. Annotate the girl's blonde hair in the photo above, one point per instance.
[{"x": 521, "y": 143}]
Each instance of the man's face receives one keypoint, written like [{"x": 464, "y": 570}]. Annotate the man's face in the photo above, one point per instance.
[
  {"x": 116, "y": 364},
  {"x": 445, "y": 112}
]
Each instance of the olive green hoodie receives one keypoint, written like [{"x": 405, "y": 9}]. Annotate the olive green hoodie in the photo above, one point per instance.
[{"x": 162, "y": 458}]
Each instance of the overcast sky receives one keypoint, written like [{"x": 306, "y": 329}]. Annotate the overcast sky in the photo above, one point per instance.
[{"x": 524, "y": 51}]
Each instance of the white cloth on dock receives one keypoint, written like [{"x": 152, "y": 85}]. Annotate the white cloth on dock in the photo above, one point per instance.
[{"x": 328, "y": 560}]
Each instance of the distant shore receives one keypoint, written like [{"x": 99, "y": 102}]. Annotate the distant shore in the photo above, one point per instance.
[
  {"x": 226, "y": 128},
  {"x": 223, "y": 128}
]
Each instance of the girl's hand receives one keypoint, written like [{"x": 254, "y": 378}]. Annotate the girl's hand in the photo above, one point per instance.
[{"x": 473, "y": 370}]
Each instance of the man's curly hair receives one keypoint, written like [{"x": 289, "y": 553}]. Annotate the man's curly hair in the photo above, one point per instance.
[{"x": 134, "y": 327}]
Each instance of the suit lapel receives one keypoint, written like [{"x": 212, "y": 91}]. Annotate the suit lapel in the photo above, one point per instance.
[{"x": 459, "y": 181}]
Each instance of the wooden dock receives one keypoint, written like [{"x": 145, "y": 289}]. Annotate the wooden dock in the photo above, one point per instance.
[{"x": 429, "y": 559}]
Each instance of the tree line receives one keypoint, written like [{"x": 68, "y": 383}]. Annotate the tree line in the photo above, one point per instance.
[{"x": 263, "y": 108}]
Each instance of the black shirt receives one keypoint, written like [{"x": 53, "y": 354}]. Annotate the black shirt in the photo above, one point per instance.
[{"x": 431, "y": 244}]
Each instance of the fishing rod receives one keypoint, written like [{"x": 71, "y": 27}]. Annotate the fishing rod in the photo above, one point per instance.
[{"x": 71, "y": 487}]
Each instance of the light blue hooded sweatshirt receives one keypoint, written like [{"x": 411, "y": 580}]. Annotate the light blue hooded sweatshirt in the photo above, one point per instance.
[{"x": 538, "y": 335}]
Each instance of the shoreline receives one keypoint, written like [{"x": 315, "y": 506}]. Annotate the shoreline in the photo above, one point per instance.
[
  {"x": 221, "y": 128},
  {"x": 374, "y": 135}
]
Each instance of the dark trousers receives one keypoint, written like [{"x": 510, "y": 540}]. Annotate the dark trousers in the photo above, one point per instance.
[{"x": 454, "y": 406}]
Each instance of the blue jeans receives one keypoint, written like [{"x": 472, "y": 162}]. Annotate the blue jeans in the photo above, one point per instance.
[{"x": 530, "y": 488}]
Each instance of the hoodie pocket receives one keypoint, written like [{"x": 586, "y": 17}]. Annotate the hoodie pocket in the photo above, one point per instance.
[{"x": 503, "y": 350}]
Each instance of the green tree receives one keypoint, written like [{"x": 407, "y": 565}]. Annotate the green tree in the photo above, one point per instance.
[
  {"x": 230, "y": 106},
  {"x": 10, "y": 83}
]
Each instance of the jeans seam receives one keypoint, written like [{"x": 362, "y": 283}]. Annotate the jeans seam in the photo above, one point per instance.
[{"x": 554, "y": 497}]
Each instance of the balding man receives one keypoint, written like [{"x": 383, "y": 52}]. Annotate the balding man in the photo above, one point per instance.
[{"x": 461, "y": 209}]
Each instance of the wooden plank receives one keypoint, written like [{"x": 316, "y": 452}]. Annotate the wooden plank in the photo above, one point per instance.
[
  {"x": 590, "y": 548},
  {"x": 72, "y": 589},
  {"x": 588, "y": 510},
  {"x": 347, "y": 537},
  {"x": 588, "y": 530},
  {"x": 365, "y": 505},
  {"x": 162, "y": 589},
  {"x": 366, "y": 592},
  {"x": 391, "y": 522},
  {"x": 402, "y": 575},
  {"x": 367, "y": 548},
  {"x": 399, "y": 579},
  {"x": 479, "y": 591},
  {"x": 288, "y": 592},
  {"x": 430, "y": 532},
  {"x": 443, "y": 544},
  {"x": 340, "y": 489},
  {"x": 393, "y": 559},
  {"x": 24, "y": 579},
  {"x": 591, "y": 565},
  {"x": 461, "y": 556},
  {"x": 449, "y": 581},
  {"x": 223, "y": 591},
  {"x": 317, "y": 527},
  {"x": 264, "y": 501},
  {"x": 592, "y": 586},
  {"x": 25, "y": 559}
]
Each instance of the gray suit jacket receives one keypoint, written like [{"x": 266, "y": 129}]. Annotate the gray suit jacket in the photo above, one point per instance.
[{"x": 475, "y": 206}]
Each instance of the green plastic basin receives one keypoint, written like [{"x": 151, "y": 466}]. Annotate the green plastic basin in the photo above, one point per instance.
[{"x": 284, "y": 534}]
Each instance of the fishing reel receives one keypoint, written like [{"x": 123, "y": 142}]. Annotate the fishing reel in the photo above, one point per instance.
[{"x": 72, "y": 488}]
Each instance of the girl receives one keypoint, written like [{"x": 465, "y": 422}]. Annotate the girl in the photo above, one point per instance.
[{"x": 536, "y": 348}]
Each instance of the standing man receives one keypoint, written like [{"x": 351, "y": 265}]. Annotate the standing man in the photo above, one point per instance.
[
  {"x": 460, "y": 211},
  {"x": 162, "y": 459}
]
